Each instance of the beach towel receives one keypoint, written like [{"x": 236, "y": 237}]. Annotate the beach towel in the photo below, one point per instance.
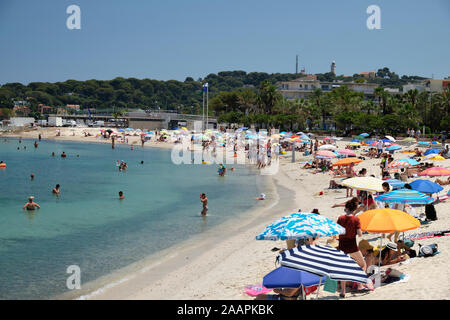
[
  {"x": 330, "y": 285},
  {"x": 255, "y": 289},
  {"x": 427, "y": 235}
]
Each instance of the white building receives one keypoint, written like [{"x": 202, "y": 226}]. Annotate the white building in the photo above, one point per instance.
[{"x": 21, "y": 121}]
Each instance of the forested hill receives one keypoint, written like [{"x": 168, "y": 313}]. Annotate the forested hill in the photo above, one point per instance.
[{"x": 131, "y": 93}]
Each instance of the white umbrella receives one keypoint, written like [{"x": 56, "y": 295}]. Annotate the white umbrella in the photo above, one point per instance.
[
  {"x": 390, "y": 138},
  {"x": 327, "y": 147}
]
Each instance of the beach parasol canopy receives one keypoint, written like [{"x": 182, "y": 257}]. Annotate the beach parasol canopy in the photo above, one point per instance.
[
  {"x": 300, "y": 225},
  {"x": 364, "y": 183},
  {"x": 429, "y": 156},
  {"x": 327, "y": 147},
  {"x": 323, "y": 261},
  {"x": 402, "y": 163},
  {"x": 364, "y": 134},
  {"x": 393, "y": 147},
  {"x": 354, "y": 143},
  {"x": 435, "y": 171},
  {"x": 423, "y": 143},
  {"x": 346, "y": 161},
  {"x": 395, "y": 183},
  {"x": 431, "y": 151},
  {"x": 387, "y": 221},
  {"x": 325, "y": 154},
  {"x": 347, "y": 152},
  {"x": 390, "y": 138},
  {"x": 409, "y": 139},
  {"x": 327, "y": 138},
  {"x": 284, "y": 277},
  {"x": 425, "y": 186},
  {"x": 436, "y": 158},
  {"x": 404, "y": 196}
]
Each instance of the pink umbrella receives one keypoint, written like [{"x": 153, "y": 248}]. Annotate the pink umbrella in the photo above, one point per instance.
[
  {"x": 326, "y": 154},
  {"x": 435, "y": 171},
  {"x": 327, "y": 138},
  {"x": 347, "y": 152}
]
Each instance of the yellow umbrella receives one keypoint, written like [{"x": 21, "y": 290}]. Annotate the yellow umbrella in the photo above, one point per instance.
[
  {"x": 184, "y": 128},
  {"x": 387, "y": 221},
  {"x": 364, "y": 183},
  {"x": 438, "y": 158}
]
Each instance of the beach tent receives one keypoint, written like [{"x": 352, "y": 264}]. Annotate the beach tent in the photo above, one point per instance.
[
  {"x": 425, "y": 186},
  {"x": 324, "y": 261}
]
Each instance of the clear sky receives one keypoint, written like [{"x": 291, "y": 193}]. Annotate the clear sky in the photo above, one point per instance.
[{"x": 173, "y": 39}]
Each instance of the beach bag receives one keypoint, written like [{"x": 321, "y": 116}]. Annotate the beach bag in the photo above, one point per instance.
[
  {"x": 428, "y": 250},
  {"x": 330, "y": 285},
  {"x": 430, "y": 212}
]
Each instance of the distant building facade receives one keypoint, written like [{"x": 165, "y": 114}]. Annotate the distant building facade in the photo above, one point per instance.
[
  {"x": 429, "y": 85},
  {"x": 333, "y": 67},
  {"x": 303, "y": 87}
]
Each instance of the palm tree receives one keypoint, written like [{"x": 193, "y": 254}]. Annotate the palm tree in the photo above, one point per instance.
[
  {"x": 268, "y": 96},
  {"x": 382, "y": 98}
]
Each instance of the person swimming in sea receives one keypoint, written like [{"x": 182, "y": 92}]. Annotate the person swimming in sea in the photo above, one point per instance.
[
  {"x": 222, "y": 170},
  {"x": 31, "y": 205},
  {"x": 204, "y": 201},
  {"x": 32, "y": 176},
  {"x": 56, "y": 189},
  {"x": 121, "y": 196},
  {"x": 63, "y": 155}
]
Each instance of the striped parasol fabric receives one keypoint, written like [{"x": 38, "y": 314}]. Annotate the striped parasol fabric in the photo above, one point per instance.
[
  {"x": 403, "y": 163},
  {"x": 323, "y": 261},
  {"x": 404, "y": 196},
  {"x": 326, "y": 154},
  {"x": 347, "y": 152},
  {"x": 395, "y": 183}
]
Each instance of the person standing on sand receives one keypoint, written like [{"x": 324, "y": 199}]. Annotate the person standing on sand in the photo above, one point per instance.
[
  {"x": 204, "y": 201},
  {"x": 39, "y": 137},
  {"x": 347, "y": 241}
]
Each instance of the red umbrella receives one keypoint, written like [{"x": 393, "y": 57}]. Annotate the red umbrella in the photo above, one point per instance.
[{"x": 435, "y": 171}]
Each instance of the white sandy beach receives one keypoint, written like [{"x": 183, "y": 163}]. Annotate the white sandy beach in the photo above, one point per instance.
[{"x": 232, "y": 258}]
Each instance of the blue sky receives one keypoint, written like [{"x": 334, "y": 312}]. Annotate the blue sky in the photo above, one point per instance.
[{"x": 173, "y": 39}]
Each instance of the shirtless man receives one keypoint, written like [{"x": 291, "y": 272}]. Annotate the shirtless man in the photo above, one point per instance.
[
  {"x": 204, "y": 201},
  {"x": 31, "y": 205}
]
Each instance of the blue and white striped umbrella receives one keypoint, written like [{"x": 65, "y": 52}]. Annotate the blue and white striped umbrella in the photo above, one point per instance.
[
  {"x": 395, "y": 183},
  {"x": 404, "y": 196},
  {"x": 323, "y": 261},
  {"x": 300, "y": 226}
]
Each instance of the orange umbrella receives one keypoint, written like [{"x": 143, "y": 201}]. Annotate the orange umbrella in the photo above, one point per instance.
[
  {"x": 346, "y": 161},
  {"x": 387, "y": 221},
  {"x": 435, "y": 171}
]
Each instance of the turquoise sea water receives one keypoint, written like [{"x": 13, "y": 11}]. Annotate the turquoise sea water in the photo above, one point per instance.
[{"x": 87, "y": 225}]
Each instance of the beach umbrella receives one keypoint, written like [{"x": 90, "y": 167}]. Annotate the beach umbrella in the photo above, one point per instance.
[
  {"x": 356, "y": 139},
  {"x": 347, "y": 152},
  {"x": 364, "y": 134},
  {"x": 387, "y": 221},
  {"x": 430, "y": 151},
  {"x": 435, "y": 171},
  {"x": 393, "y": 147},
  {"x": 390, "y": 138},
  {"x": 410, "y": 139},
  {"x": 404, "y": 196},
  {"x": 425, "y": 186},
  {"x": 300, "y": 225},
  {"x": 354, "y": 143},
  {"x": 325, "y": 154},
  {"x": 395, "y": 183},
  {"x": 323, "y": 261},
  {"x": 429, "y": 156},
  {"x": 403, "y": 163},
  {"x": 364, "y": 183},
  {"x": 327, "y": 138},
  {"x": 284, "y": 277},
  {"x": 435, "y": 142},
  {"x": 327, "y": 147},
  {"x": 423, "y": 143},
  {"x": 436, "y": 158},
  {"x": 346, "y": 161}
]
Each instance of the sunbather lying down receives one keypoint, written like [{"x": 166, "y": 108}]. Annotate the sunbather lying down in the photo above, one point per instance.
[{"x": 443, "y": 182}]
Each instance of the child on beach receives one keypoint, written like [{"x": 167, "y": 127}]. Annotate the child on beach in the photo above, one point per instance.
[{"x": 204, "y": 201}]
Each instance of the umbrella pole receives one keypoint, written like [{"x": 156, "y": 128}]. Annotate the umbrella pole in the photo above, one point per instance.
[
  {"x": 318, "y": 288},
  {"x": 378, "y": 276}
]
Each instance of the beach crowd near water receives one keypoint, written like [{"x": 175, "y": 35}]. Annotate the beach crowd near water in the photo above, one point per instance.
[{"x": 319, "y": 170}]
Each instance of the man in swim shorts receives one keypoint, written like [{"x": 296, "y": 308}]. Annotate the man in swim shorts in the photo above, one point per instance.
[
  {"x": 31, "y": 205},
  {"x": 204, "y": 201}
]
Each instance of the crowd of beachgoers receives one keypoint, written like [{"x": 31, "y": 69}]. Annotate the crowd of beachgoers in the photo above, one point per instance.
[{"x": 354, "y": 177}]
